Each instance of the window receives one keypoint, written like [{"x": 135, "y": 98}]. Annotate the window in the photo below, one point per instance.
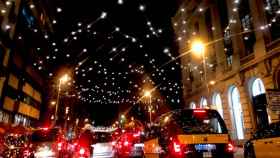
[
  {"x": 237, "y": 113},
  {"x": 4, "y": 117},
  {"x": 203, "y": 102},
  {"x": 222, "y": 7},
  {"x": 196, "y": 28},
  {"x": 192, "y": 105},
  {"x": 257, "y": 87},
  {"x": 271, "y": 9},
  {"x": 217, "y": 103},
  {"x": 246, "y": 19},
  {"x": 209, "y": 25},
  {"x": 228, "y": 47}
]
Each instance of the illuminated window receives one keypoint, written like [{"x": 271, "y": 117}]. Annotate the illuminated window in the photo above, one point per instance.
[
  {"x": 203, "y": 102},
  {"x": 237, "y": 113},
  {"x": 217, "y": 103},
  {"x": 271, "y": 9},
  {"x": 192, "y": 105},
  {"x": 258, "y": 87},
  {"x": 246, "y": 20}
]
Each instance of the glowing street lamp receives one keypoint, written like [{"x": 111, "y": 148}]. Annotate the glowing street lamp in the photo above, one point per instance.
[
  {"x": 64, "y": 79},
  {"x": 149, "y": 94},
  {"x": 198, "y": 47},
  {"x": 53, "y": 102}
]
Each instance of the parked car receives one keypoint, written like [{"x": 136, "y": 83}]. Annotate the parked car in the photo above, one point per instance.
[
  {"x": 264, "y": 143},
  {"x": 104, "y": 145},
  {"x": 130, "y": 144},
  {"x": 48, "y": 142},
  {"x": 189, "y": 133}
]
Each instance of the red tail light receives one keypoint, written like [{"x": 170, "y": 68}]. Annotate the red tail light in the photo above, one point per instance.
[
  {"x": 114, "y": 143},
  {"x": 45, "y": 128},
  {"x": 199, "y": 111},
  {"x": 125, "y": 143},
  {"x": 230, "y": 147},
  {"x": 59, "y": 146},
  {"x": 82, "y": 151},
  {"x": 177, "y": 147}
]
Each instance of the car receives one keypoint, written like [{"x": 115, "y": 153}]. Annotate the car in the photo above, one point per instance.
[
  {"x": 130, "y": 144},
  {"x": 264, "y": 143},
  {"x": 82, "y": 145},
  {"x": 48, "y": 142},
  {"x": 188, "y": 133},
  {"x": 104, "y": 145}
]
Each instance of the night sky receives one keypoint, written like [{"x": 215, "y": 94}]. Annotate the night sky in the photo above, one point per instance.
[{"x": 113, "y": 50}]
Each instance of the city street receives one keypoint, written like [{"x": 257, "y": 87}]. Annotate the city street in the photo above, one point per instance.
[{"x": 139, "y": 78}]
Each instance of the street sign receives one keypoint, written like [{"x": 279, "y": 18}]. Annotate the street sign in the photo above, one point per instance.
[{"x": 273, "y": 100}]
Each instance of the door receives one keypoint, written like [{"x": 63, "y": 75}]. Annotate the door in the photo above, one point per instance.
[{"x": 260, "y": 105}]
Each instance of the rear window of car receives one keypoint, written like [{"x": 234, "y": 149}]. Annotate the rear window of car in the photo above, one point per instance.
[
  {"x": 103, "y": 137},
  {"x": 196, "y": 122},
  {"x": 45, "y": 135}
]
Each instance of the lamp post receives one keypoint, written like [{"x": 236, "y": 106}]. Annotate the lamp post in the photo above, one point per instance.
[
  {"x": 62, "y": 80},
  {"x": 198, "y": 47},
  {"x": 149, "y": 95}
]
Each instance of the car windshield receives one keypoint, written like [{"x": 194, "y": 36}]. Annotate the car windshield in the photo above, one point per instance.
[
  {"x": 45, "y": 135},
  {"x": 198, "y": 122},
  {"x": 103, "y": 137}
]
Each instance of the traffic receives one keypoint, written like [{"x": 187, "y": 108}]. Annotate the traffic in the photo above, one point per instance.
[{"x": 183, "y": 133}]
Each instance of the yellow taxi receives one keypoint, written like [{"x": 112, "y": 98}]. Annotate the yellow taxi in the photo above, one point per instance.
[
  {"x": 188, "y": 133},
  {"x": 265, "y": 143}
]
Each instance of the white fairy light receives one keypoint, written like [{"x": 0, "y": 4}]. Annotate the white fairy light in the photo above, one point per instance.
[
  {"x": 120, "y": 2},
  {"x": 117, "y": 29},
  {"x": 142, "y": 8},
  {"x": 3, "y": 11},
  {"x": 103, "y": 15},
  {"x": 8, "y": 3},
  {"x": 58, "y": 10},
  {"x": 7, "y": 27}
]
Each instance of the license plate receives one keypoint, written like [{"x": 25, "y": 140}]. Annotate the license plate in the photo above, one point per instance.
[
  {"x": 205, "y": 147},
  {"x": 207, "y": 154},
  {"x": 139, "y": 145}
]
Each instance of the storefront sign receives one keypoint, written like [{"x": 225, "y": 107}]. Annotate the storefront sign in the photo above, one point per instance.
[{"x": 273, "y": 100}]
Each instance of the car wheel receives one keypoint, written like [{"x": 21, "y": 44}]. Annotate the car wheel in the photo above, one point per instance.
[{"x": 250, "y": 152}]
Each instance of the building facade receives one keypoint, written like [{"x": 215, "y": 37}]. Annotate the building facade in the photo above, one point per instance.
[
  {"x": 21, "y": 85},
  {"x": 238, "y": 71}
]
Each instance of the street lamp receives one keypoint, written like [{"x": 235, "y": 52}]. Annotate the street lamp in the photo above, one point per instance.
[
  {"x": 149, "y": 94},
  {"x": 198, "y": 47},
  {"x": 65, "y": 78}
]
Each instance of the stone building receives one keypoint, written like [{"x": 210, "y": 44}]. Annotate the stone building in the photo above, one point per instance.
[{"x": 238, "y": 71}]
